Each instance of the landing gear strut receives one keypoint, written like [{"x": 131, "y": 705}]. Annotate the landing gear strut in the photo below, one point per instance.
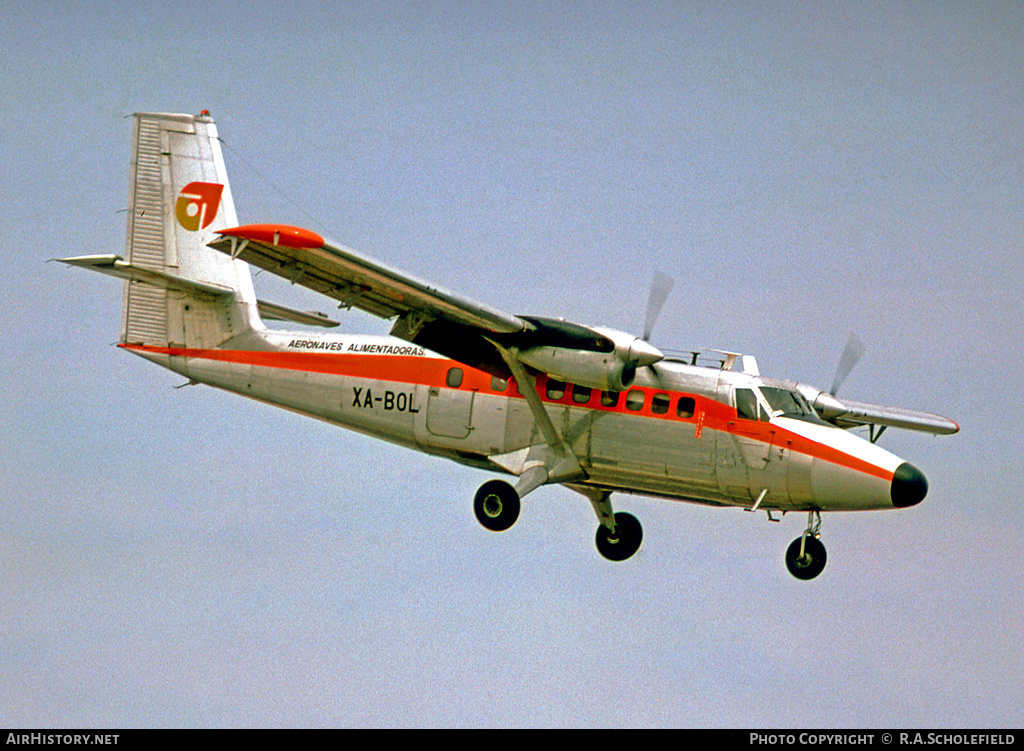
[
  {"x": 806, "y": 556},
  {"x": 496, "y": 505},
  {"x": 624, "y": 541},
  {"x": 619, "y": 534}
]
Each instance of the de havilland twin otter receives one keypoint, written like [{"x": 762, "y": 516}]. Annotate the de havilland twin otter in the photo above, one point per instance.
[{"x": 547, "y": 401}]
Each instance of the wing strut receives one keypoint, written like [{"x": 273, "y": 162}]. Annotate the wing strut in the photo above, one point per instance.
[{"x": 553, "y": 461}]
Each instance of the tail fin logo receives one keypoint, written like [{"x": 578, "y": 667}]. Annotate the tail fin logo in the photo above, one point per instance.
[{"x": 197, "y": 205}]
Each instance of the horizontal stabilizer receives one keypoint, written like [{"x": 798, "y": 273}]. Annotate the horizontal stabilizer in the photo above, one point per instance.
[{"x": 116, "y": 266}]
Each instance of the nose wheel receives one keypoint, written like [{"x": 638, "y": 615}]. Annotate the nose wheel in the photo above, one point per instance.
[{"x": 806, "y": 556}]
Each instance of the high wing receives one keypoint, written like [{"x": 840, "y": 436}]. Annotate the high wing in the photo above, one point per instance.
[
  {"x": 846, "y": 413},
  {"x": 481, "y": 336},
  {"x": 447, "y": 323},
  {"x": 428, "y": 315}
]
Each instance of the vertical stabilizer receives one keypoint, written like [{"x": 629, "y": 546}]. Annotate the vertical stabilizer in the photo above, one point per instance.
[{"x": 180, "y": 197}]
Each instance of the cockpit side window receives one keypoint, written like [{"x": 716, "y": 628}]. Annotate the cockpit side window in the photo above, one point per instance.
[
  {"x": 748, "y": 407},
  {"x": 746, "y": 404},
  {"x": 785, "y": 402}
]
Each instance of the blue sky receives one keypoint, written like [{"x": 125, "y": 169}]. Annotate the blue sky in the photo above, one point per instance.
[{"x": 189, "y": 558}]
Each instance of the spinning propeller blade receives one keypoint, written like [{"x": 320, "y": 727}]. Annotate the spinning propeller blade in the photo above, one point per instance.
[
  {"x": 661, "y": 285},
  {"x": 852, "y": 353}
]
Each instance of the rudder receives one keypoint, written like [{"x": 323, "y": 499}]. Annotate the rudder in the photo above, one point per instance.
[{"x": 180, "y": 197}]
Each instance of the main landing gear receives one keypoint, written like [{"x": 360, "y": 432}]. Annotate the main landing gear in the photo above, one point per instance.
[
  {"x": 618, "y": 537},
  {"x": 496, "y": 505},
  {"x": 806, "y": 557},
  {"x": 620, "y": 544}
]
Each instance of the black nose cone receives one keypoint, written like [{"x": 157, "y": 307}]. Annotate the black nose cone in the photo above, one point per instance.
[{"x": 909, "y": 486}]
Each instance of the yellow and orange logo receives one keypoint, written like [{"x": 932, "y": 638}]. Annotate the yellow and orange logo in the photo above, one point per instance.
[{"x": 197, "y": 205}]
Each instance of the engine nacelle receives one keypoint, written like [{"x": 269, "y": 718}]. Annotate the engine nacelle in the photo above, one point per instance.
[
  {"x": 596, "y": 370},
  {"x": 612, "y": 367},
  {"x": 828, "y": 407}
]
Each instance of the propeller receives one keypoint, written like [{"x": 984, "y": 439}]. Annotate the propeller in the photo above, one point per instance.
[
  {"x": 643, "y": 353},
  {"x": 661, "y": 285},
  {"x": 852, "y": 353}
]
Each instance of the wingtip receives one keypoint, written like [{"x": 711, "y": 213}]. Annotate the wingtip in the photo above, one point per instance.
[{"x": 276, "y": 234}]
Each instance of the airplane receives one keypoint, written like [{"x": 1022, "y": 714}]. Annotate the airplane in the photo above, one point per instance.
[{"x": 545, "y": 400}]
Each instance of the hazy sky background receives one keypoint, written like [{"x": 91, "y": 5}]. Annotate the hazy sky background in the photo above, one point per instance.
[{"x": 190, "y": 558}]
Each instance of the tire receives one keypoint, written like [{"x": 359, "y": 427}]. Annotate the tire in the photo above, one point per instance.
[
  {"x": 813, "y": 561},
  {"x": 496, "y": 505},
  {"x": 626, "y": 542}
]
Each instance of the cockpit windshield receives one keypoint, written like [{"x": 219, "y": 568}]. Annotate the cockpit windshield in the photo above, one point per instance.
[{"x": 787, "y": 403}]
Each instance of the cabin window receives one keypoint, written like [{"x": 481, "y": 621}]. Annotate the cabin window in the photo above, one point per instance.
[
  {"x": 556, "y": 389},
  {"x": 609, "y": 398},
  {"x": 498, "y": 384},
  {"x": 581, "y": 394},
  {"x": 685, "y": 406},
  {"x": 454, "y": 378},
  {"x": 635, "y": 400},
  {"x": 659, "y": 404}
]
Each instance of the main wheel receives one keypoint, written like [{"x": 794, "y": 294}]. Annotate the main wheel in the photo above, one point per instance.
[
  {"x": 624, "y": 542},
  {"x": 496, "y": 505},
  {"x": 811, "y": 563}
]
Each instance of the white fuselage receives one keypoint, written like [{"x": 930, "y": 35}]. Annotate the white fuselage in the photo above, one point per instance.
[{"x": 677, "y": 436}]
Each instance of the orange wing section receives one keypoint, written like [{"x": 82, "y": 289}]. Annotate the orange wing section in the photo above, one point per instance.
[{"x": 303, "y": 257}]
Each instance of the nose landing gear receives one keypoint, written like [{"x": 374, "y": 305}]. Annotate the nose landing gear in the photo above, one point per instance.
[{"x": 806, "y": 556}]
